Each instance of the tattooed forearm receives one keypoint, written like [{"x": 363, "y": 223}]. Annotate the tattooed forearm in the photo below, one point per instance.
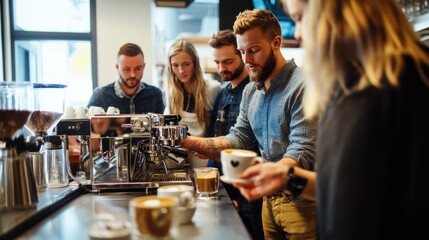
[
  {"x": 215, "y": 145},
  {"x": 212, "y": 148},
  {"x": 209, "y": 147}
]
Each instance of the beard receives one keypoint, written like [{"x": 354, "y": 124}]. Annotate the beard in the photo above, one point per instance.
[
  {"x": 228, "y": 76},
  {"x": 266, "y": 70},
  {"x": 130, "y": 82}
]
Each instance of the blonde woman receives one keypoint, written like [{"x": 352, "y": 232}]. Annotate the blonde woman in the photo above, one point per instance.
[
  {"x": 189, "y": 94},
  {"x": 368, "y": 74}
]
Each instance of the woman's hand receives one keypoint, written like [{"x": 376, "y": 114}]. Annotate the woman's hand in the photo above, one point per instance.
[{"x": 265, "y": 178}]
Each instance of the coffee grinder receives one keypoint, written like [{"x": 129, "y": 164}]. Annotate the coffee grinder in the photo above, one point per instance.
[
  {"x": 48, "y": 109},
  {"x": 17, "y": 184}
]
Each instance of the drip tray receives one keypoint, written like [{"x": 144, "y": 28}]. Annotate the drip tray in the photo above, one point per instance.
[
  {"x": 149, "y": 181},
  {"x": 173, "y": 175}
]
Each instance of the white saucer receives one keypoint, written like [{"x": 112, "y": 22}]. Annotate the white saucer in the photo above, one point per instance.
[{"x": 232, "y": 180}]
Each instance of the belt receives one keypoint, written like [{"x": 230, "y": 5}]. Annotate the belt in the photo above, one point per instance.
[{"x": 280, "y": 194}]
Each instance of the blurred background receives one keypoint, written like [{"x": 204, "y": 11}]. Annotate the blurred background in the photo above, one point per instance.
[{"x": 75, "y": 42}]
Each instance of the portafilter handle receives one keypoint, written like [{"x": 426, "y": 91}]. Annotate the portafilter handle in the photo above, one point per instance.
[
  {"x": 171, "y": 118},
  {"x": 176, "y": 152}
]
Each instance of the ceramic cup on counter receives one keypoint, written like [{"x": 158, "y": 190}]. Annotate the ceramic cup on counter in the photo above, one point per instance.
[
  {"x": 69, "y": 113},
  {"x": 94, "y": 110},
  {"x": 207, "y": 182},
  {"x": 113, "y": 110},
  {"x": 186, "y": 196},
  {"x": 235, "y": 161},
  {"x": 81, "y": 112},
  {"x": 152, "y": 216}
]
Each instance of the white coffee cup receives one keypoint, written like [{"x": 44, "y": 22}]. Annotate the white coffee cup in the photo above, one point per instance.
[
  {"x": 94, "y": 110},
  {"x": 69, "y": 113},
  {"x": 81, "y": 112},
  {"x": 186, "y": 205},
  {"x": 235, "y": 161},
  {"x": 112, "y": 110}
]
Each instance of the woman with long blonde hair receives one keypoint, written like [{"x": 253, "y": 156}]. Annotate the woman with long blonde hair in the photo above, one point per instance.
[
  {"x": 189, "y": 95},
  {"x": 367, "y": 76}
]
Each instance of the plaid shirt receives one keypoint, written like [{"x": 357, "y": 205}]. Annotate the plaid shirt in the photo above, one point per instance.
[{"x": 147, "y": 99}]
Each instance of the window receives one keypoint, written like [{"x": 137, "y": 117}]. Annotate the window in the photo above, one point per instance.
[
  {"x": 200, "y": 18},
  {"x": 2, "y": 76},
  {"x": 54, "y": 42},
  {"x": 197, "y": 22}
]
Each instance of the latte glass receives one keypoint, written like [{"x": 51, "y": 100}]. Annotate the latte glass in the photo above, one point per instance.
[{"x": 207, "y": 182}]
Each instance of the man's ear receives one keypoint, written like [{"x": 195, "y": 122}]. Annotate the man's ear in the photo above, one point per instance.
[
  {"x": 277, "y": 42},
  {"x": 117, "y": 66}
]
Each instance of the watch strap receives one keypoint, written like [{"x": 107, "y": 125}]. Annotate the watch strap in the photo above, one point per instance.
[{"x": 294, "y": 185}]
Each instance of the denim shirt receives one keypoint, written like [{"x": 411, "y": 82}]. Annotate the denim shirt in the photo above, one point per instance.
[
  {"x": 226, "y": 109},
  {"x": 273, "y": 120}
]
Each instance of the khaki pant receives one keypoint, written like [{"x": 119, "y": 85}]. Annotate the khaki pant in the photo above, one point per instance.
[{"x": 285, "y": 219}]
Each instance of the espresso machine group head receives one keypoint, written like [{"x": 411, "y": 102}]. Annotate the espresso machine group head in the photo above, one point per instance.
[{"x": 137, "y": 150}]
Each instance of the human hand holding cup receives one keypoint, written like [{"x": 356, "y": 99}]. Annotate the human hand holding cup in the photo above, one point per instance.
[{"x": 235, "y": 161}]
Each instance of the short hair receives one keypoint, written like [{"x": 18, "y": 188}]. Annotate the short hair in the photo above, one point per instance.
[
  {"x": 283, "y": 3},
  {"x": 130, "y": 49},
  {"x": 258, "y": 18},
  {"x": 224, "y": 38}
]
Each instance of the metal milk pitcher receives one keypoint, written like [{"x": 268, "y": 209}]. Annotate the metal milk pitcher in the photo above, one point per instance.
[{"x": 17, "y": 185}]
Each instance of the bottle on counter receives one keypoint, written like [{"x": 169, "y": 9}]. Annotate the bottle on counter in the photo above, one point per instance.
[{"x": 55, "y": 162}]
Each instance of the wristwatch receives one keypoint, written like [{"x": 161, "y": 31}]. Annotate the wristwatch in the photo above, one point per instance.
[{"x": 294, "y": 185}]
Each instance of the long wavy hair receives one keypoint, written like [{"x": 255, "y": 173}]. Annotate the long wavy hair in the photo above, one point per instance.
[
  {"x": 176, "y": 88},
  {"x": 367, "y": 36}
]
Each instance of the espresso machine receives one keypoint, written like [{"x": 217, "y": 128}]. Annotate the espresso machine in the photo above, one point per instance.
[
  {"x": 134, "y": 151},
  {"x": 17, "y": 183}
]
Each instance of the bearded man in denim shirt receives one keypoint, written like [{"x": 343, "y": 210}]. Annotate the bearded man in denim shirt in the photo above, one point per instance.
[
  {"x": 234, "y": 73},
  {"x": 271, "y": 119}
]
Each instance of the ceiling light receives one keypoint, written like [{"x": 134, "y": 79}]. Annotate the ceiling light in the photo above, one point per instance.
[{"x": 173, "y": 3}]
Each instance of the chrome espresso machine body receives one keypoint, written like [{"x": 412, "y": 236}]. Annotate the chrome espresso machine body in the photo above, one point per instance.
[{"x": 137, "y": 151}]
